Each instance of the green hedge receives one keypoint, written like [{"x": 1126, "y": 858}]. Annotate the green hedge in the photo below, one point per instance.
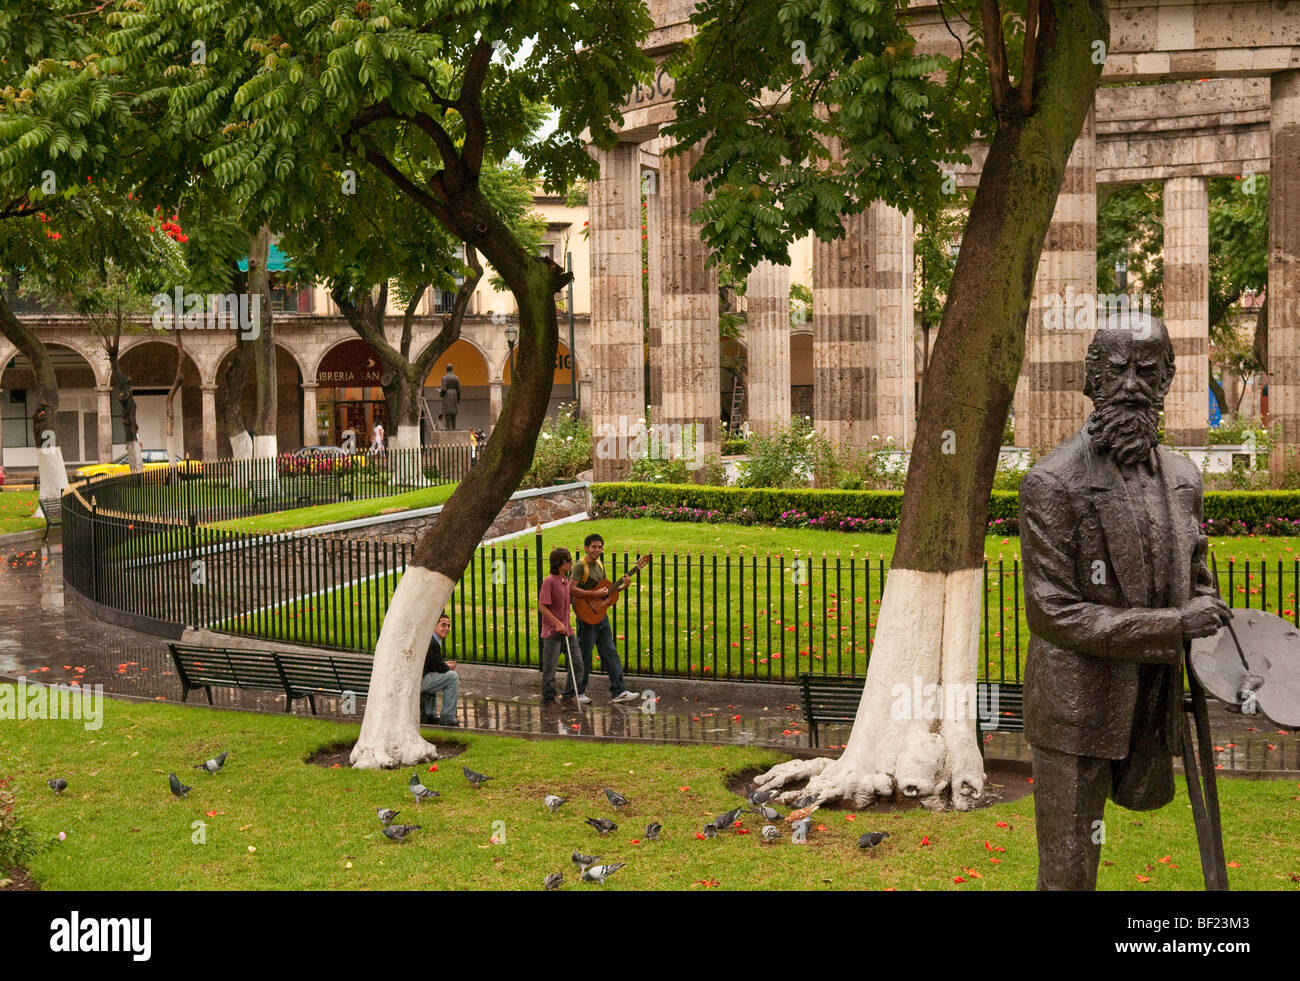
[{"x": 766, "y": 504}]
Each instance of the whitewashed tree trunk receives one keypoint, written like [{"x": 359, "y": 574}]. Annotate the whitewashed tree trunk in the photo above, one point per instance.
[
  {"x": 52, "y": 470},
  {"x": 390, "y": 731},
  {"x": 241, "y": 445},
  {"x": 905, "y": 741},
  {"x": 407, "y": 437},
  {"x": 135, "y": 456},
  {"x": 265, "y": 447}
]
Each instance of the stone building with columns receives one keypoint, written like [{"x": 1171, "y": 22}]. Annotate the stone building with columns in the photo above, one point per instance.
[
  {"x": 327, "y": 378},
  {"x": 1219, "y": 96}
]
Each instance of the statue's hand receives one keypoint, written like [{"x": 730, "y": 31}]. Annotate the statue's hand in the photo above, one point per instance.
[{"x": 1203, "y": 616}]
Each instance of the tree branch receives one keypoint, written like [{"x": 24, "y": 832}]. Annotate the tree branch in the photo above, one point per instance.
[
  {"x": 407, "y": 186},
  {"x": 470, "y": 106},
  {"x": 1031, "y": 44},
  {"x": 991, "y": 18}
]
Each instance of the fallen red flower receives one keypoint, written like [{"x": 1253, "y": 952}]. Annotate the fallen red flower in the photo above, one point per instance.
[
  {"x": 1003, "y": 824},
  {"x": 925, "y": 840}
]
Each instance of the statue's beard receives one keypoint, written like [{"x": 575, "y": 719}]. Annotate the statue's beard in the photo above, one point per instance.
[{"x": 1125, "y": 430}]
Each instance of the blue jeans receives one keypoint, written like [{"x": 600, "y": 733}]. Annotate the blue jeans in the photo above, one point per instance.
[
  {"x": 433, "y": 683},
  {"x": 601, "y": 636}
]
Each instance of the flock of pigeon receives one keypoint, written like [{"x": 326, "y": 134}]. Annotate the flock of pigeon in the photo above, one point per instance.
[
  {"x": 59, "y": 784},
  {"x": 589, "y": 871}
]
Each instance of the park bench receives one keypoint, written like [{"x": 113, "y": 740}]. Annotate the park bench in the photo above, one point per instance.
[
  {"x": 52, "y": 508},
  {"x": 292, "y": 675},
  {"x": 835, "y": 698}
]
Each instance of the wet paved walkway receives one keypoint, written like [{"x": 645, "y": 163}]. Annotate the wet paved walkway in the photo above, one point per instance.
[{"x": 44, "y": 640}]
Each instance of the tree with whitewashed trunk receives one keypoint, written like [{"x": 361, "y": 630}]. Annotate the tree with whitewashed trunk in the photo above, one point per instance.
[
  {"x": 899, "y": 118},
  {"x": 276, "y": 99}
]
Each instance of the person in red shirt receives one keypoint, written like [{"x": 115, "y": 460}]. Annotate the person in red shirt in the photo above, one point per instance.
[{"x": 557, "y": 632}]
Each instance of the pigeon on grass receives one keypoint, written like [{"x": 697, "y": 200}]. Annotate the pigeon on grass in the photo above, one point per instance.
[
  {"x": 771, "y": 833},
  {"x": 582, "y": 861},
  {"x": 552, "y": 881},
  {"x": 386, "y": 815},
  {"x": 553, "y": 802},
  {"x": 599, "y": 873},
  {"x": 58, "y": 785},
  {"x": 724, "y": 822},
  {"x": 758, "y": 797},
  {"x": 421, "y": 792},
  {"x": 477, "y": 779},
  {"x": 602, "y": 825},
  {"x": 616, "y": 799},
  {"x": 767, "y": 813},
  {"x": 652, "y": 831},
  {"x": 178, "y": 788},
  {"x": 212, "y": 765},
  {"x": 871, "y": 839},
  {"x": 398, "y": 832},
  {"x": 801, "y": 829}
]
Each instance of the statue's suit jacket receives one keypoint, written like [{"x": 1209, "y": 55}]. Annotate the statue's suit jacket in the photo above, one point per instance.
[{"x": 1087, "y": 690}]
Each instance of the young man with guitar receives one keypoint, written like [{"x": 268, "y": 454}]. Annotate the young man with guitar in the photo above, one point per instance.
[{"x": 593, "y": 594}]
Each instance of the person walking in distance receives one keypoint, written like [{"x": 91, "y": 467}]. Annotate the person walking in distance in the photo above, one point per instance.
[
  {"x": 449, "y": 389},
  {"x": 588, "y": 573},
  {"x": 557, "y": 633}
]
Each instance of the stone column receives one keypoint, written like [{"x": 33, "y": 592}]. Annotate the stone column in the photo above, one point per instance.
[
  {"x": 1049, "y": 403},
  {"x": 844, "y": 307},
  {"x": 894, "y": 350},
  {"x": 1284, "y": 272},
  {"x": 310, "y": 432},
  {"x": 209, "y": 393},
  {"x": 1187, "y": 307},
  {"x": 617, "y": 345},
  {"x": 767, "y": 338},
  {"x": 654, "y": 232},
  {"x": 104, "y": 423},
  {"x": 494, "y": 401},
  {"x": 689, "y": 331}
]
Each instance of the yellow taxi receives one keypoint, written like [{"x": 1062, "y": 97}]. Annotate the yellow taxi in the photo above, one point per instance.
[{"x": 153, "y": 460}]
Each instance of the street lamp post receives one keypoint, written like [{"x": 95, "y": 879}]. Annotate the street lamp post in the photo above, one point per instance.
[{"x": 512, "y": 335}]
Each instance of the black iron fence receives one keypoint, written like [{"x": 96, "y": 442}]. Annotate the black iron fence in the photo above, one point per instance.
[
  {"x": 688, "y": 614},
  {"x": 218, "y": 490}
]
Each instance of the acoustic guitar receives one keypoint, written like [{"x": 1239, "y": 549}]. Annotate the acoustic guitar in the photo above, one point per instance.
[{"x": 592, "y": 611}]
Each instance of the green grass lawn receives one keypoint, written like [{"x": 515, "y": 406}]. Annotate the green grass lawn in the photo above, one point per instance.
[
  {"x": 323, "y": 514},
  {"x": 758, "y": 633},
  {"x": 16, "y": 509},
  {"x": 272, "y": 822}
]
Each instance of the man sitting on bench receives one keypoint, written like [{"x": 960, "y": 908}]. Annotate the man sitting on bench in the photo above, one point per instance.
[{"x": 439, "y": 676}]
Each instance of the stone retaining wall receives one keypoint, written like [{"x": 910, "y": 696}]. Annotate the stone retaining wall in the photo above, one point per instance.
[{"x": 523, "y": 511}]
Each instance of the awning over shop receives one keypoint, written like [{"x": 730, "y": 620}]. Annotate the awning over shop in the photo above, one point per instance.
[{"x": 276, "y": 261}]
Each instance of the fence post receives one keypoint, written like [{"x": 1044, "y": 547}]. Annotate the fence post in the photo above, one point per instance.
[
  {"x": 94, "y": 550},
  {"x": 194, "y": 558}
]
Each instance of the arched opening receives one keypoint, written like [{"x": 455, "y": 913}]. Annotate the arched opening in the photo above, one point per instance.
[
  {"x": 288, "y": 420},
  {"x": 350, "y": 396},
  {"x": 733, "y": 361},
  {"x": 562, "y": 381},
  {"x": 801, "y": 373},
  {"x": 151, "y": 366},
  {"x": 77, "y": 422},
  {"x": 471, "y": 368}
]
